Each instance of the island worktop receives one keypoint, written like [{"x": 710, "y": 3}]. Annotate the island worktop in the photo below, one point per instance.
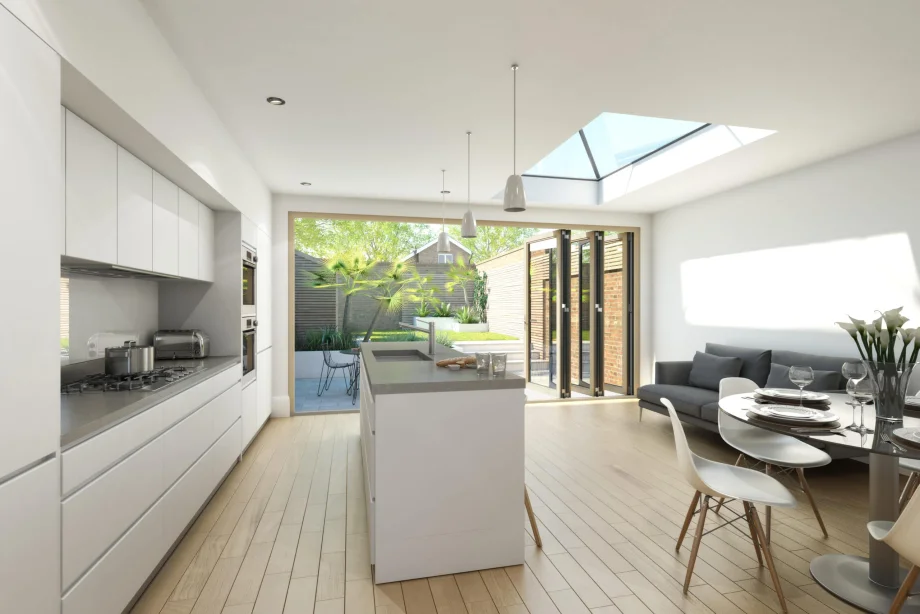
[{"x": 409, "y": 377}]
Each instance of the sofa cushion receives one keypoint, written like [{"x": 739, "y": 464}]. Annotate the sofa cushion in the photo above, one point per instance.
[
  {"x": 755, "y": 363},
  {"x": 709, "y": 370},
  {"x": 710, "y": 412},
  {"x": 824, "y": 380},
  {"x": 686, "y": 399},
  {"x": 815, "y": 361}
]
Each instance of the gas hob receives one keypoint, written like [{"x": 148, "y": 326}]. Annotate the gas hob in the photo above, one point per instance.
[{"x": 147, "y": 381}]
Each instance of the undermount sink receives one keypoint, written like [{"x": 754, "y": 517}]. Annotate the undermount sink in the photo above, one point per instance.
[{"x": 400, "y": 356}]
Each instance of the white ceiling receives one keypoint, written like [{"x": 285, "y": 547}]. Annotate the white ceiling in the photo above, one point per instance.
[{"x": 380, "y": 94}]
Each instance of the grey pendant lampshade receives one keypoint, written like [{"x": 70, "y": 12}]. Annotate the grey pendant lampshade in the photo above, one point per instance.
[
  {"x": 515, "y": 199},
  {"x": 443, "y": 239},
  {"x": 468, "y": 225}
]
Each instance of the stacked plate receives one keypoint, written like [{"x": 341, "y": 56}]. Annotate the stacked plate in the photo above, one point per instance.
[
  {"x": 795, "y": 416},
  {"x": 785, "y": 396},
  {"x": 908, "y": 436}
]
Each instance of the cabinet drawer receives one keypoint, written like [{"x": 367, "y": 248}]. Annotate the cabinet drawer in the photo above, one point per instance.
[
  {"x": 181, "y": 405},
  {"x": 185, "y": 498},
  {"x": 114, "y": 580},
  {"x": 188, "y": 440},
  {"x": 367, "y": 400},
  {"x": 89, "y": 459},
  {"x": 94, "y": 517}
]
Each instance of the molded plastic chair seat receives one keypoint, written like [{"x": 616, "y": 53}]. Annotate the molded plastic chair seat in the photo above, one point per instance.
[
  {"x": 911, "y": 464},
  {"x": 772, "y": 448},
  {"x": 879, "y": 529},
  {"x": 743, "y": 484}
]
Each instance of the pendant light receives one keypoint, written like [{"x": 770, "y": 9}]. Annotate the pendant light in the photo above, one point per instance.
[
  {"x": 515, "y": 200},
  {"x": 468, "y": 225},
  {"x": 443, "y": 239}
]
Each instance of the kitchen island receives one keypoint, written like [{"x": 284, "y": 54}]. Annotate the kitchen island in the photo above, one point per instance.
[{"x": 443, "y": 461}]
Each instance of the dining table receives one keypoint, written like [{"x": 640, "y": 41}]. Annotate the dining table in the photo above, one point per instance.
[{"x": 869, "y": 583}]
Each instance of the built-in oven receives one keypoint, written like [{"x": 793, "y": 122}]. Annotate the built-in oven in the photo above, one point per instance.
[
  {"x": 249, "y": 349},
  {"x": 249, "y": 280}
]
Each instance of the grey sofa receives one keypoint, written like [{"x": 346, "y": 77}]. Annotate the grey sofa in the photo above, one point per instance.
[{"x": 699, "y": 406}]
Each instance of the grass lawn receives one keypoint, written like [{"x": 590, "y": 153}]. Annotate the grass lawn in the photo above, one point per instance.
[{"x": 404, "y": 335}]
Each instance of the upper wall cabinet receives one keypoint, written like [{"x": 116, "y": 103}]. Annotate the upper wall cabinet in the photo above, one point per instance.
[
  {"x": 205, "y": 243},
  {"x": 250, "y": 233},
  {"x": 188, "y": 235},
  {"x": 135, "y": 212},
  {"x": 165, "y": 225},
  {"x": 91, "y": 192}
]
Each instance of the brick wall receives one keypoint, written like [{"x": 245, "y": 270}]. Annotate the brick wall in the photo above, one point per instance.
[{"x": 613, "y": 327}]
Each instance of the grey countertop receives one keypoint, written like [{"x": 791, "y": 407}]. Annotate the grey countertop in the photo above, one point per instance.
[
  {"x": 426, "y": 376},
  {"x": 86, "y": 415}
]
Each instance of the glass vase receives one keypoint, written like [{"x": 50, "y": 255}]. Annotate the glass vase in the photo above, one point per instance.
[{"x": 889, "y": 387}]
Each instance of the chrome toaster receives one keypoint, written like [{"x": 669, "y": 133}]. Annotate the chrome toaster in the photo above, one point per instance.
[{"x": 181, "y": 344}]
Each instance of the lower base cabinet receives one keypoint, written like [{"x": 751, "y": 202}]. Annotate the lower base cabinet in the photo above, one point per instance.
[
  {"x": 250, "y": 412},
  {"x": 30, "y": 547},
  {"x": 109, "y": 586}
]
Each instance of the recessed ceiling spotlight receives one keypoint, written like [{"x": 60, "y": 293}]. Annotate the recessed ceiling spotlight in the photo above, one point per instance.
[
  {"x": 275, "y": 101},
  {"x": 306, "y": 183}
]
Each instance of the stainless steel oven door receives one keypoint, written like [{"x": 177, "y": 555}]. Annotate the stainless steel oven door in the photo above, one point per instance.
[{"x": 249, "y": 350}]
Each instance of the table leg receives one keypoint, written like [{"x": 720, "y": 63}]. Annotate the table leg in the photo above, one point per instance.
[{"x": 870, "y": 583}]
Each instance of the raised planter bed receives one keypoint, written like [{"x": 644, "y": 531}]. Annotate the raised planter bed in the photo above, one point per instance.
[
  {"x": 457, "y": 327},
  {"x": 439, "y": 323}
]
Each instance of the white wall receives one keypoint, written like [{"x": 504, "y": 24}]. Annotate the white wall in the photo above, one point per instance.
[
  {"x": 99, "y": 306},
  {"x": 775, "y": 263},
  {"x": 119, "y": 48},
  {"x": 539, "y": 217}
]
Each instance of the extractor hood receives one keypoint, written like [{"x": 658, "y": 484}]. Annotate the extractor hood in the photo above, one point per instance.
[{"x": 79, "y": 266}]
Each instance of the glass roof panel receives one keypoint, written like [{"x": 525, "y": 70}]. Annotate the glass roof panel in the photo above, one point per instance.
[
  {"x": 568, "y": 161},
  {"x": 618, "y": 140}
]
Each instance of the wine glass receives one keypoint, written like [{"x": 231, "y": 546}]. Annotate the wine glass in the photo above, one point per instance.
[
  {"x": 854, "y": 372},
  {"x": 801, "y": 377},
  {"x": 860, "y": 392}
]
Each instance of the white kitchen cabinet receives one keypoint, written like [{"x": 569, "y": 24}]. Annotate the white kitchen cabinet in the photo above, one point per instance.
[
  {"x": 250, "y": 233},
  {"x": 264, "y": 382},
  {"x": 30, "y": 197},
  {"x": 165, "y": 225},
  {"x": 205, "y": 243},
  {"x": 91, "y": 192},
  {"x": 264, "y": 291},
  {"x": 250, "y": 412},
  {"x": 135, "y": 212},
  {"x": 30, "y": 579},
  {"x": 188, "y": 235}
]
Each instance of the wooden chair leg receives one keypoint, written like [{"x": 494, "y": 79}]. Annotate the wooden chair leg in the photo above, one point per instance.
[
  {"x": 533, "y": 519},
  {"x": 683, "y": 529},
  {"x": 768, "y": 555},
  {"x": 722, "y": 499},
  {"x": 750, "y": 521},
  {"x": 909, "y": 489},
  {"x": 804, "y": 484},
  {"x": 696, "y": 542},
  {"x": 769, "y": 470},
  {"x": 904, "y": 591}
]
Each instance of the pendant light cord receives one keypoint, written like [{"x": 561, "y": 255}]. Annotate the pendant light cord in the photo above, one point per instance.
[
  {"x": 514, "y": 68},
  {"x": 443, "y": 212},
  {"x": 468, "y": 169}
]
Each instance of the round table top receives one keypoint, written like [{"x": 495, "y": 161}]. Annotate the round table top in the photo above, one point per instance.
[
  {"x": 351, "y": 351},
  {"x": 739, "y": 405}
]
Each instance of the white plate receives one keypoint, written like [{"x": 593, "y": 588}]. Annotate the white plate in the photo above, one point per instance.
[
  {"x": 791, "y": 412},
  {"x": 908, "y": 435},
  {"x": 913, "y": 401},
  {"x": 786, "y": 393},
  {"x": 767, "y": 412}
]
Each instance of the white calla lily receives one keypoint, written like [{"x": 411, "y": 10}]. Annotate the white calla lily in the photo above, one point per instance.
[{"x": 849, "y": 327}]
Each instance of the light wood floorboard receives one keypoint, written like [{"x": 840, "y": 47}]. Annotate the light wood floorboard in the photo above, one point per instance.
[{"x": 287, "y": 532}]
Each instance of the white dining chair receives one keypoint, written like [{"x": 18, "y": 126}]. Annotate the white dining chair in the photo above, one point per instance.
[
  {"x": 904, "y": 537},
  {"x": 773, "y": 450},
  {"x": 913, "y": 480},
  {"x": 711, "y": 480}
]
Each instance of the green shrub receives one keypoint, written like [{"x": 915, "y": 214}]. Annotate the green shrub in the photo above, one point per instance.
[
  {"x": 423, "y": 310},
  {"x": 443, "y": 338},
  {"x": 443, "y": 310},
  {"x": 466, "y": 315},
  {"x": 313, "y": 340}
]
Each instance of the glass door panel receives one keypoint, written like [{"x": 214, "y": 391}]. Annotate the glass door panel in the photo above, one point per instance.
[
  {"x": 541, "y": 313},
  {"x": 581, "y": 316}
]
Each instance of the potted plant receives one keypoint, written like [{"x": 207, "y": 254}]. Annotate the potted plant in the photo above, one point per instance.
[
  {"x": 889, "y": 366},
  {"x": 466, "y": 321}
]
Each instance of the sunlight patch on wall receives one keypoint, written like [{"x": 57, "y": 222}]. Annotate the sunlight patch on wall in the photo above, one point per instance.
[{"x": 804, "y": 287}]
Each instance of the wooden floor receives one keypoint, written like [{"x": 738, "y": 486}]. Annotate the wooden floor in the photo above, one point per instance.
[{"x": 287, "y": 531}]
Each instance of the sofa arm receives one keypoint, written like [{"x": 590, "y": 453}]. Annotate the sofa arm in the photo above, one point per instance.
[{"x": 675, "y": 372}]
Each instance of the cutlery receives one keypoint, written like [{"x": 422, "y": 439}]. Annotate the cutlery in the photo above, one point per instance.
[{"x": 894, "y": 445}]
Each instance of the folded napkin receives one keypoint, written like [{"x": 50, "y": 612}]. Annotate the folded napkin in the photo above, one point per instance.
[{"x": 822, "y": 405}]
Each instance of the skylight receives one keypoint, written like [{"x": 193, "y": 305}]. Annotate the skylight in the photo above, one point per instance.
[{"x": 610, "y": 142}]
